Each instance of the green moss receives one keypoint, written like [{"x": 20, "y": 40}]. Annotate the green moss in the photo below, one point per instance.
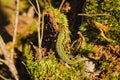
[
  {"x": 113, "y": 76},
  {"x": 23, "y": 5},
  {"x": 113, "y": 21},
  {"x": 32, "y": 28},
  {"x": 49, "y": 68}
]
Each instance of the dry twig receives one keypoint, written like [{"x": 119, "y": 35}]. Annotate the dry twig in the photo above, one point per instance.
[
  {"x": 33, "y": 7},
  {"x": 91, "y": 15},
  {"x": 15, "y": 28},
  {"x": 42, "y": 29},
  {"x": 61, "y": 5},
  {"x": 39, "y": 32}
]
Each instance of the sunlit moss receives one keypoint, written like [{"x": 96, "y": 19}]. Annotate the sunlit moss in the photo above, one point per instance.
[
  {"x": 113, "y": 21},
  {"x": 50, "y": 68}
]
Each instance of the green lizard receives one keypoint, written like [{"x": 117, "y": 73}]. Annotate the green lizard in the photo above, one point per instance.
[{"x": 62, "y": 37}]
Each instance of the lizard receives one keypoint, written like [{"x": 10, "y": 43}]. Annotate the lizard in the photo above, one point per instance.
[{"x": 64, "y": 36}]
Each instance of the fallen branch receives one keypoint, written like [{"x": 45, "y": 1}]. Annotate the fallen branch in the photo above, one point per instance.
[
  {"x": 8, "y": 60},
  {"x": 2, "y": 61},
  {"x": 2, "y": 46},
  {"x": 3, "y": 77}
]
